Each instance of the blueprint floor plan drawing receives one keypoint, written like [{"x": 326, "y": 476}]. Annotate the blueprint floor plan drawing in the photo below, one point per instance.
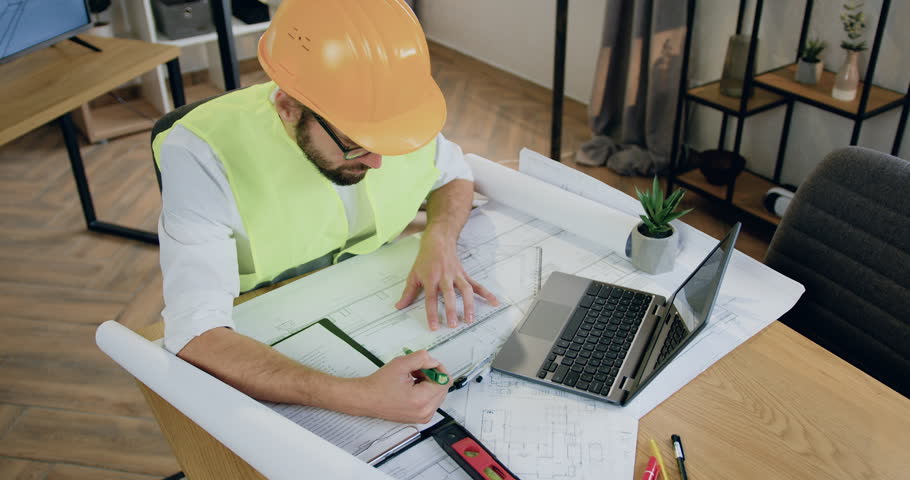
[{"x": 548, "y": 434}]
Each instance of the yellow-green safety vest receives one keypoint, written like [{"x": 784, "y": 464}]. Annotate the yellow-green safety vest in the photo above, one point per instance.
[{"x": 291, "y": 212}]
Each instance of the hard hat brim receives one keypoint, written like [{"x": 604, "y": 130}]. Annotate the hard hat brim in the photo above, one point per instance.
[{"x": 403, "y": 133}]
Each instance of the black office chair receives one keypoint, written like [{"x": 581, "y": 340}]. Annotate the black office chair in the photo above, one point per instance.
[
  {"x": 846, "y": 237},
  {"x": 167, "y": 121}
]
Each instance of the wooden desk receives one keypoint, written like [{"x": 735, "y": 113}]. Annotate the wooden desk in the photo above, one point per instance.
[
  {"x": 777, "y": 407},
  {"x": 781, "y": 407},
  {"x": 48, "y": 84}
]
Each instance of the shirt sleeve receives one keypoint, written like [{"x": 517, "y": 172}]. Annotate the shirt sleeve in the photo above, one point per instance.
[
  {"x": 198, "y": 251},
  {"x": 450, "y": 162}
]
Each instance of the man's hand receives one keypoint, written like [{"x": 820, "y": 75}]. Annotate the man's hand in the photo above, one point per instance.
[
  {"x": 438, "y": 270},
  {"x": 392, "y": 394}
]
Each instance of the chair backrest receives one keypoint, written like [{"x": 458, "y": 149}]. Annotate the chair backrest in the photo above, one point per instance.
[
  {"x": 846, "y": 237},
  {"x": 167, "y": 121}
]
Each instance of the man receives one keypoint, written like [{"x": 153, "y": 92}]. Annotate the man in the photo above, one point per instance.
[{"x": 331, "y": 159}]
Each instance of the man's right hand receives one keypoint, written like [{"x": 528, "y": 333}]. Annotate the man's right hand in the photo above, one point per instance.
[{"x": 392, "y": 393}]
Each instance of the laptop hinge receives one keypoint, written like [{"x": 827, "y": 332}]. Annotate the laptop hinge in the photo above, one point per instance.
[
  {"x": 662, "y": 312},
  {"x": 626, "y": 383}
]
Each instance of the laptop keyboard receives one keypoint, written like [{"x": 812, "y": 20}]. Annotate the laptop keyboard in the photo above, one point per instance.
[
  {"x": 596, "y": 340},
  {"x": 676, "y": 334}
]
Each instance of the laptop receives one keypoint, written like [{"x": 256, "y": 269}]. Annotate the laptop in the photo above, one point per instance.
[{"x": 606, "y": 341}]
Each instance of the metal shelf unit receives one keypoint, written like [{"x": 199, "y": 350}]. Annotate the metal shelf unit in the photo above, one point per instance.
[{"x": 771, "y": 89}]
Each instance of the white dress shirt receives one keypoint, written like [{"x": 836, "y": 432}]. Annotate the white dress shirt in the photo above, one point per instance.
[{"x": 204, "y": 246}]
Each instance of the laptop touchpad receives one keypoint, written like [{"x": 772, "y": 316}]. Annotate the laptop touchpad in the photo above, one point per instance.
[{"x": 546, "y": 320}]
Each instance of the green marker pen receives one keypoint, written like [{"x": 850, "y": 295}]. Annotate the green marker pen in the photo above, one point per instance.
[{"x": 431, "y": 373}]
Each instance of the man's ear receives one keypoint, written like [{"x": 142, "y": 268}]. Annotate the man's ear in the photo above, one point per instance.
[{"x": 288, "y": 109}]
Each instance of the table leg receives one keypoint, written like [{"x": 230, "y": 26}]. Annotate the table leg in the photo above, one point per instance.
[
  {"x": 175, "y": 79},
  {"x": 85, "y": 196},
  {"x": 559, "y": 77},
  {"x": 221, "y": 16}
]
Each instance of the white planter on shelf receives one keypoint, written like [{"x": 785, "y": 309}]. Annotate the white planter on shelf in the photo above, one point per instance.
[
  {"x": 809, "y": 73},
  {"x": 653, "y": 255},
  {"x": 101, "y": 29}
]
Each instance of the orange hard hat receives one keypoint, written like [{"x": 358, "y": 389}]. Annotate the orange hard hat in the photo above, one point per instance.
[{"x": 363, "y": 65}]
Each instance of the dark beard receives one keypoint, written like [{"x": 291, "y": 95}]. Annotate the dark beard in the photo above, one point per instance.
[{"x": 342, "y": 176}]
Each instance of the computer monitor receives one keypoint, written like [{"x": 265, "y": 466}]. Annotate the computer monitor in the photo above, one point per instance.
[{"x": 27, "y": 25}]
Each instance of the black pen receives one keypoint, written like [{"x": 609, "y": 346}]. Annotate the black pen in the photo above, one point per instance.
[
  {"x": 473, "y": 374},
  {"x": 680, "y": 456}
]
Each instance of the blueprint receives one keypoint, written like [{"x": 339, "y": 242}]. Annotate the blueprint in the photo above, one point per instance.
[
  {"x": 365, "y": 309},
  {"x": 542, "y": 433}
]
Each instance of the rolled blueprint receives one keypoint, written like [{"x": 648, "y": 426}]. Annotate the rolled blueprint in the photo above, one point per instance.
[
  {"x": 275, "y": 446},
  {"x": 588, "y": 219}
]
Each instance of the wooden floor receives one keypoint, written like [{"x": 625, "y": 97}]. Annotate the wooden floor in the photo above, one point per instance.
[{"x": 69, "y": 413}]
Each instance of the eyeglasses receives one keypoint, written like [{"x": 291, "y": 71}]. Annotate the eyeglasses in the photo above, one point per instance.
[{"x": 350, "y": 153}]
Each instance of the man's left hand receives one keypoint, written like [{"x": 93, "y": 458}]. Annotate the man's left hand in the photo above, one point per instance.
[{"x": 438, "y": 270}]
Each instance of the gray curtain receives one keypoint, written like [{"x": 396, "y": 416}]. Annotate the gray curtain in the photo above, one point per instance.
[{"x": 633, "y": 103}]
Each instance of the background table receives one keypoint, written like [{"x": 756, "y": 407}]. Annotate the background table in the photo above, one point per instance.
[{"x": 48, "y": 84}]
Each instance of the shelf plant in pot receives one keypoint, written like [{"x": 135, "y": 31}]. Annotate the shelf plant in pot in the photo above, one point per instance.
[
  {"x": 810, "y": 67},
  {"x": 847, "y": 79},
  {"x": 654, "y": 240}
]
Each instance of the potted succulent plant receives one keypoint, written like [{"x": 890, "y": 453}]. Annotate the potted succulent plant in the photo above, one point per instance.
[
  {"x": 654, "y": 241},
  {"x": 810, "y": 67}
]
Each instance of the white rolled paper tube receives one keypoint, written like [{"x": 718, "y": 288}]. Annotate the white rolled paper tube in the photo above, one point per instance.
[
  {"x": 586, "y": 218},
  {"x": 275, "y": 446}
]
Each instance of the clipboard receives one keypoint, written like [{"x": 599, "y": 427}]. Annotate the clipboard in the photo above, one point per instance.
[{"x": 462, "y": 447}]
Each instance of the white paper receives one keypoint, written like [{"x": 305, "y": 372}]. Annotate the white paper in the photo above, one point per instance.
[
  {"x": 567, "y": 178},
  {"x": 605, "y": 225},
  {"x": 270, "y": 443}
]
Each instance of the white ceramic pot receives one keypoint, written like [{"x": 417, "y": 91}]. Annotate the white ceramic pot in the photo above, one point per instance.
[
  {"x": 102, "y": 29},
  {"x": 809, "y": 73},
  {"x": 653, "y": 255}
]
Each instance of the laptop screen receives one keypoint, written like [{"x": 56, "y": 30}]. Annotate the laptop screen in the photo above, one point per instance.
[{"x": 693, "y": 300}]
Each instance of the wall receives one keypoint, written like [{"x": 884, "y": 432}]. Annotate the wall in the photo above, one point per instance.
[{"x": 517, "y": 36}]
